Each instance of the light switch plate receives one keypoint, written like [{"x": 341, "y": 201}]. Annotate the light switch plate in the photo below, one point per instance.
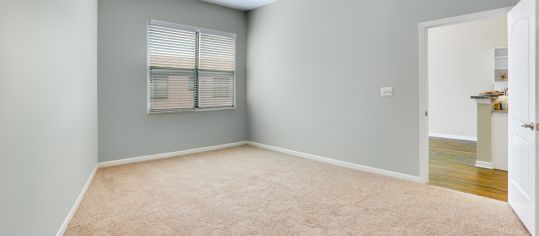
[{"x": 387, "y": 91}]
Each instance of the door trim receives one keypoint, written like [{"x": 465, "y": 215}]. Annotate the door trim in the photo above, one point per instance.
[{"x": 423, "y": 78}]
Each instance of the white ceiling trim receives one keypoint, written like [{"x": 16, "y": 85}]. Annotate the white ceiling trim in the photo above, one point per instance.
[{"x": 244, "y": 5}]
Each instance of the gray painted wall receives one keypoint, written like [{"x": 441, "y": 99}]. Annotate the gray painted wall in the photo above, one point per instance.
[
  {"x": 124, "y": 128},
  {"x": 316, "y": 68},
  {"x": 48, "y": 111}
]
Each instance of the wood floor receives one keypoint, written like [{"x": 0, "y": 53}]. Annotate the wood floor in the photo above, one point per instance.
[{"x": 452, "y": 166}]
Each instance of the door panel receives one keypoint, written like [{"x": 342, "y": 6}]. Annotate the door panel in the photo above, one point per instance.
[
  {"x": 520, "y": 69},
  {"x": 522, "y": 134},
  {"x": 520, "y": 179}
]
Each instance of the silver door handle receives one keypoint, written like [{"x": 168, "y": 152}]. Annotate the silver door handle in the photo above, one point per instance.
[{"x": 529, "y": 126}]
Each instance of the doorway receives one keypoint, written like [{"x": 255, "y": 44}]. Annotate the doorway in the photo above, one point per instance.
[{"x": 463, "y": 57}]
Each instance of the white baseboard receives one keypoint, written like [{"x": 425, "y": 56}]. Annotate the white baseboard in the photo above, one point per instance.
[
  {"x": 451, "y": 136},
  {"x": 338, "y": 163},
  {"x": 169, "y": 154},
  {"x": 484, "y": 164},
  {"x": 71, "y": 213}
]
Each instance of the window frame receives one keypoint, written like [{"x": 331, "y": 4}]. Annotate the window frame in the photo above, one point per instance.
[{"x": 198, "y": 30}]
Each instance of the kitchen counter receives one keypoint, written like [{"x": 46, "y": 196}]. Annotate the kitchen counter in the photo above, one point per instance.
[
  {"x": 491, "y": 134},
  {"x": 484, "y": 97}
]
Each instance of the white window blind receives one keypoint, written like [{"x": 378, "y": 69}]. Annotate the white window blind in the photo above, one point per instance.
[{"x": 190, "y": 68}]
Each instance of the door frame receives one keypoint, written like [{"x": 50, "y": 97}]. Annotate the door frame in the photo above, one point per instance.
[{"x": 423, "y": 78}]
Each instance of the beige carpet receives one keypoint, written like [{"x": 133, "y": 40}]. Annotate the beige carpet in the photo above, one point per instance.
[{"x": 250, "y": 191}]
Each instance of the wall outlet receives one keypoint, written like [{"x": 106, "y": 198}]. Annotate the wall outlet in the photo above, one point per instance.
[{"x": 387, "y": 91}]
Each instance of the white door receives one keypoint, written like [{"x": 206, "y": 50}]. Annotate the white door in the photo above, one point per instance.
[{"x": 521, "y": 23}]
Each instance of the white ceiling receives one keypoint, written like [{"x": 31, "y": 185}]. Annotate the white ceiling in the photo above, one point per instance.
[{"x": 244, "y": 5}]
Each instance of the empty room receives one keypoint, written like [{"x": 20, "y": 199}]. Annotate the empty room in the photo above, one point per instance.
[{"x": 268, "y": 117}]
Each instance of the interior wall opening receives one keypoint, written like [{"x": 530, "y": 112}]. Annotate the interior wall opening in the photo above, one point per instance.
[{"x": 467, "y": 105}]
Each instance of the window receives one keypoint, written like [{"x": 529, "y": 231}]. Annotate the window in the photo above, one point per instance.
[{"x": 190, "y": 68}]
